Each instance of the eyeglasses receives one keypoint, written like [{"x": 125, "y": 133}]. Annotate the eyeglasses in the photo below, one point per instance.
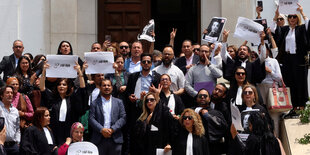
[
  {"x": 149, "y": 100},
  {"x": 240, "y": 73},
  {"x": 146, "y": 61},
  {"x": 247, "y": 92},
  {"x": 202, "y": 95},
  {"x": 187, "y": 117},
  {"x": 164, "y": 79},
  {"x": 122, "y": 47},
  {"x": 168, "y": 54},
  {"x": 280, "y": 19},
  {"x": 196, "y": 49},
  {"x": 292, "y": 16},
  {"x": 204, "y": 51},
  {"x": 18, "y": 46}
]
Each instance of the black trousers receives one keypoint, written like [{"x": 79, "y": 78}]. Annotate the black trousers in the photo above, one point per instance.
[{"x": 295, "y": 77}]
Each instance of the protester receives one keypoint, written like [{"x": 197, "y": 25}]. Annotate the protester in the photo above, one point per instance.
[
  {"x": 76, "y": 135},
  {"x": 39, "y": 138},
  {"x": 154, "y": 128},
  {"x": 21, "y": 102},
  {"x": 65, "y": 103},
  {"x": 293, "y": 47},
  {"x": 191, "y": 136}
]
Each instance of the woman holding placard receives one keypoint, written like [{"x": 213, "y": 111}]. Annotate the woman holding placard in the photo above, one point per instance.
[
  {"x": 65, "y": 103},
  {"x": 293, "y": 44}
]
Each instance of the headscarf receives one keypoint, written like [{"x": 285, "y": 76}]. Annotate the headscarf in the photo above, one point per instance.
[{"x": 76, "y": 125}]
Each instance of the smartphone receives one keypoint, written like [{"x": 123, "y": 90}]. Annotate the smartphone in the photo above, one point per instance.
[
  {"x": 39, "y": 72},
  {"x": 260, "y": 4},
  {"x": 1, "y": 123},
  {"x": 107, "y": 37}
]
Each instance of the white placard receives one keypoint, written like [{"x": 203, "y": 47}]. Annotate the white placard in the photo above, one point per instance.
[
  {"x": 236, "y": 117},
  {"x": 249, "y": 30},
  {"x": 61, "y": 66},
  {"x": 83, "y": 148},
  {"x": 161, "y": 152},
  {"x": 146, "y": 33},
  {"x": 99, "y": 62},
  {"x": 215, "y": 29},
  {"x": 288, "y": 6}
]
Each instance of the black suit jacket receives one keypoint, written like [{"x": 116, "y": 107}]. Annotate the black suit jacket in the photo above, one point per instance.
[
  {"x": 7, "y": 66},
  {"x": 255, "y": 70},
  {"x": 134, "y": 111},
  {"x": 181, "y": 63}
]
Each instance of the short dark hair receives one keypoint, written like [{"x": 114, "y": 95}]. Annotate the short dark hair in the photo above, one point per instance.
[
  {"x": 104, "y": 81},
  {"x": 187, "y": 40},
  {"x": 145, "y": 55},
  {"x": 226, "y": 89},
  {"x": 3, "y": 89}
]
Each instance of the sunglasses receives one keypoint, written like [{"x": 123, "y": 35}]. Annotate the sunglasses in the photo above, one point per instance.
[
  {"x": 164, "y": 79},
  {"x": 187, "y": 117},
  {"x": 247, "y": 92},
  {"x": 202, "y": 95},
  {"x": 240, "y": 73},
  {"x": 149, "y": 100},
  {"x": 280, "y": 19},
  {"x": 123, "y": 47},
  {"x": 292, "y": 16},
  {"x": 146, "y": 61},
  {"x": 196, "y": 49}
]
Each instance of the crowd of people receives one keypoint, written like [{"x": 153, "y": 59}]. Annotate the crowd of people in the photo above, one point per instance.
[{"x": 156, "y": 100}]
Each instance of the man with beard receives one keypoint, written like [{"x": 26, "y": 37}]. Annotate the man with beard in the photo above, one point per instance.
[
  {"x": 255, "y": 70},
  {"x": 205, "y": 73},
  {"x": 107, "y": 116},
  {"x": 213, "y": 122},
  {"x": 218, "y": 100},
  {"x": 138, "y": 85},
  {"x": 124, "y": 49},
  {"x": 167, "y": 67}
]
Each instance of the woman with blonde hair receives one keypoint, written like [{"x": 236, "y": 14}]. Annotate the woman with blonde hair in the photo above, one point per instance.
[
  {"x": 293, "y": 43},
  {"x": 154, "y": 128},
  {"x": 191, "y": 136}
]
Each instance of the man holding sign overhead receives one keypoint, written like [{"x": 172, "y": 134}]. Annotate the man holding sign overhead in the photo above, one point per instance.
[{"x": 251, "y": 31}]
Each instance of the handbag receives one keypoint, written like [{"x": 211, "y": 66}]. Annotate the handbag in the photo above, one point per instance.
[{"x": 279, "y": 98}]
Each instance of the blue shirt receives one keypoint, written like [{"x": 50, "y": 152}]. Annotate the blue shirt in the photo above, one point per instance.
[
  {"x": 146, "y": 82},
  {"x": 107, "y": 106}
]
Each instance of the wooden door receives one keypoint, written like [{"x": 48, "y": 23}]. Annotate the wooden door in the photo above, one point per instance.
[{"x": 122, "y": 19}]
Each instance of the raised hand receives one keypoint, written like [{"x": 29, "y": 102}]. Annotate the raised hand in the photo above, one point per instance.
[{"x": 173, "y": 33}]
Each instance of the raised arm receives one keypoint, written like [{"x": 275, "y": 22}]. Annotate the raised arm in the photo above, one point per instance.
[
  {"x": 43, "y": 77},
  {"x": 301, "y": 10},
  {"x": 152, "y": 43},
  {"x": 262, "y": 54},
  {"x": 172, "y": 36},
  {"x": 224, "y": 53},
  {"x": 80, "y": 74}
]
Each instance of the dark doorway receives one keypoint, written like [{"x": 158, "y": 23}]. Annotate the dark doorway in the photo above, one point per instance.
[
  {"x": 181, "y": 14},
  {"x": 122, "y": 19}
]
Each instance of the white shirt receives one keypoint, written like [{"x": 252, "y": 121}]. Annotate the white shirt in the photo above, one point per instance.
[
  {"x": 11, "y": 119},
  {"x": 176, "y": 75},
  {"x": 290, "y": 43},
  {"x": 275, "y": 74},
  {"x": 107, "y": 106}
]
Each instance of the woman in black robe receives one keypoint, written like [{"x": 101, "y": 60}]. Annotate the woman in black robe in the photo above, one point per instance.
[
  {"x": 39, "y": 139},
  {"x": 66, "y": 104},
  {"x": 293, "y": 43},
  {"x": 154, "y": 128},
  {"x": 191, "y": 136}
]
